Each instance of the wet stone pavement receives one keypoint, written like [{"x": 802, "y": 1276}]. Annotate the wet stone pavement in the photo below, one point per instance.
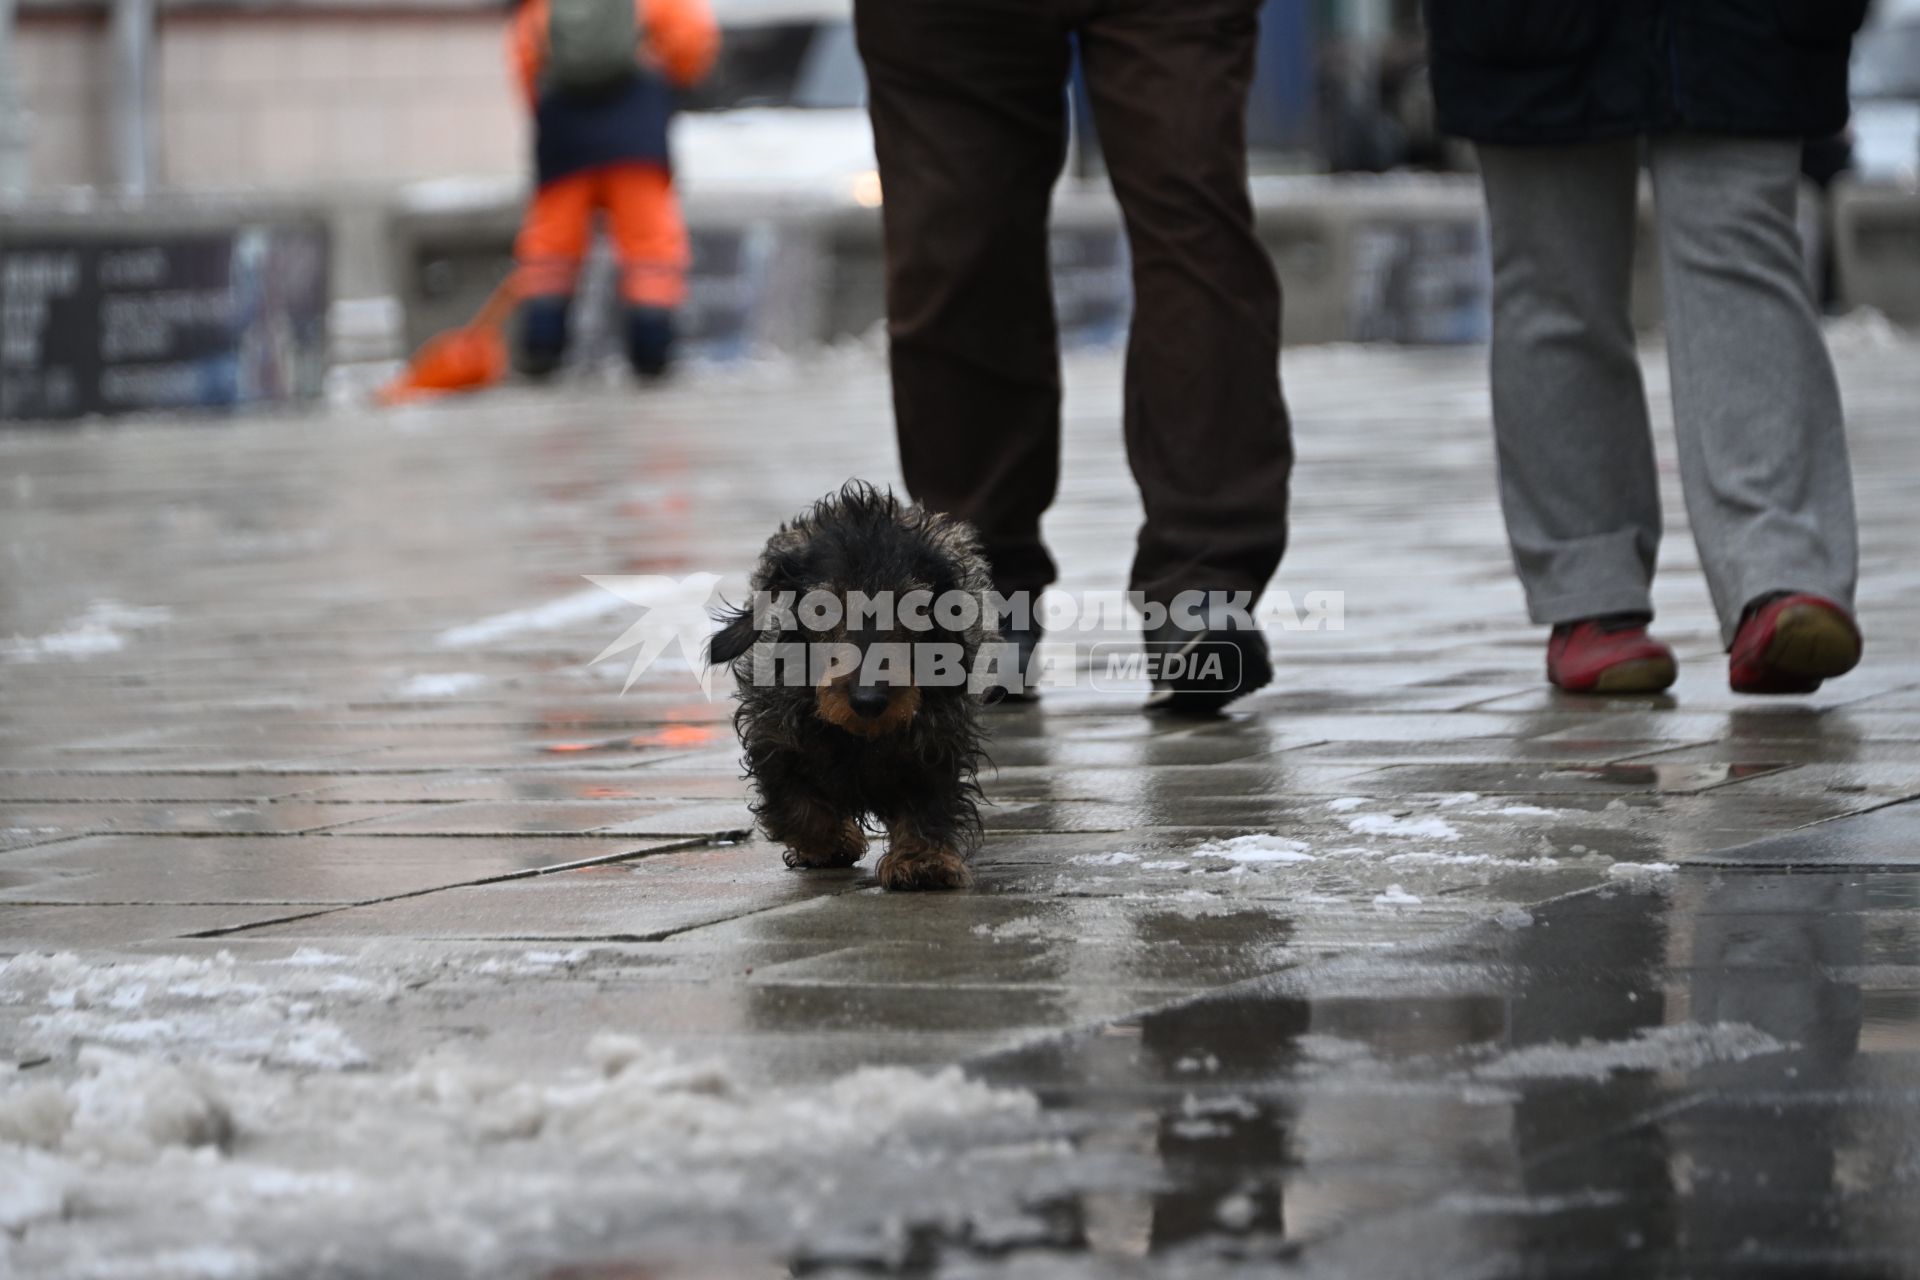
[{"x": 354, "y": 922}]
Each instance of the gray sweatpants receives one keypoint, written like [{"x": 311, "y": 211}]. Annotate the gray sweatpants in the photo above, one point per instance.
[{"x": 1763, "y": 451}]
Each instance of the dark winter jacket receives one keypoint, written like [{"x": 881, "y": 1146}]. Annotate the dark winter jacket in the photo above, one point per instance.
[
  {"x": 627, "y": 125},
  {"x": 1547, "y": 71}
]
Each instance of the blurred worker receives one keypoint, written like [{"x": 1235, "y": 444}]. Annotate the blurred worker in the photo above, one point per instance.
[
  {"x": 1566, "y": 102},
  {"x": 600, "y": 77}
]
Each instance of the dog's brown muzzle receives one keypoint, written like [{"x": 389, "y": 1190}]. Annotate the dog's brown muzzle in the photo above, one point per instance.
[{"x": 866, "y": 710}]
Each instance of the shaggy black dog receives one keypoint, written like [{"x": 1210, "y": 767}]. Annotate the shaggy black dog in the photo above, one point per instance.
[{"x": 861, "y": 671}]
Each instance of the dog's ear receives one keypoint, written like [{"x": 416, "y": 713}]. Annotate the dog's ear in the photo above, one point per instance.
[{"x": 735, "y": 636}]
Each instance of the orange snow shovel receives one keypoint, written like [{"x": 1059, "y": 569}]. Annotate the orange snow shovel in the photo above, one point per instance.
[{"x": 463, "y": 359}]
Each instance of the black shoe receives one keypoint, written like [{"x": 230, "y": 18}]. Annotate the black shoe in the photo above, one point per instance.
[
  {"x": 1196, "y": 673},
  {"x": 649, "y": 341},
  {"x": 541, "y": 338},
  {"x": 1025, "y": 640}
]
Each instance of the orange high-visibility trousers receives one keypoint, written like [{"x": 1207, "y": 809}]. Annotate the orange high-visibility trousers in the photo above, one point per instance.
[{"x": 643, "y": 218}]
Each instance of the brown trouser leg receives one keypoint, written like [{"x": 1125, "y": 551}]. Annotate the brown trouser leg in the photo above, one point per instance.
[
  {"x": 969, "y": 122},
  {"x": 969, "y": 119},
  {"x": 1206, "y": 429}
]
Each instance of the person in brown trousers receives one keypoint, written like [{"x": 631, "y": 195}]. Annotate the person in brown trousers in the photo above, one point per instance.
[{"x": 968, "y": 100}]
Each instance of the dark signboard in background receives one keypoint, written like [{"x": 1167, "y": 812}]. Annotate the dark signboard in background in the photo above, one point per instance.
[
  {"x": 1421, "y": 281},
  {"x": 125, "y": 323}
]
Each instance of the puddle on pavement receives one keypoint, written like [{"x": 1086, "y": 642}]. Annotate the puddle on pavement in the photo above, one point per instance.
[
  {"x": 1719, "y": 1072},
  {"x": 1668, "y": 777}
]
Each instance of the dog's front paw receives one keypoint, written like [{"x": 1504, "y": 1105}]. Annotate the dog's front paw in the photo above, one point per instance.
[
  {"x": 911, "y": 865},
  {"x": 827, "y": 846}
]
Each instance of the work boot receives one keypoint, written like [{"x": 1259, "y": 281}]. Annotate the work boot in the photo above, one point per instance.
[
  {"x": 649, "y": 341},
  {"x": 540, "y": 342}
]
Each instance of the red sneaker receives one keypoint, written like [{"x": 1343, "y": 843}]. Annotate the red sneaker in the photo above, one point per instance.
[
  {"x": 1608, "y": 655},
  {"x": 1791, "y": 642}
]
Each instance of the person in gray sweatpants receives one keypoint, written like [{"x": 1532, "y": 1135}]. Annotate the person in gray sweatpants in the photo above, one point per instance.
[{"x": 1565, "y": 112}]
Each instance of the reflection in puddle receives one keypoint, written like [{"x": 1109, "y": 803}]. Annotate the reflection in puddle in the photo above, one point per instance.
[
  {"x": 1667, "y": 777},
  {"x": 1700, "y": 1079}
]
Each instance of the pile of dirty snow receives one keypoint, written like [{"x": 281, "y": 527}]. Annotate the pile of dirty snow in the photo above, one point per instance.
[
  {"x": 128, "y": 1152},
  {"x": 210, "y": 1006}
]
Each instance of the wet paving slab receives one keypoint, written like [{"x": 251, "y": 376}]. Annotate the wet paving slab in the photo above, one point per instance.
[
  {"x": 510, "y": 817},
  {"x": 42, "y": 821},
  {"x": 60, "y": 927},
  {"x": 1706, "y": 1076},
  {"x": 621, "y": 899},
  {"x": 1620, "y": 776},
  {"x": 1882, "y": 838},
  {"x": 315, "y": 807},
  {"x": 40, "y": 787},
  {"x": 184, "y": 870}
]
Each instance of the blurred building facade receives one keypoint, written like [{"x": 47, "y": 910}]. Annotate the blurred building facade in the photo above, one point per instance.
[
  {"x": 284, "y": 94},
  {"x": 311, "y": 95}
]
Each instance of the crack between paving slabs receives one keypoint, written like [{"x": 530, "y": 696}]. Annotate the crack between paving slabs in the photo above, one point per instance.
[{"x": 697, "y": 842}]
